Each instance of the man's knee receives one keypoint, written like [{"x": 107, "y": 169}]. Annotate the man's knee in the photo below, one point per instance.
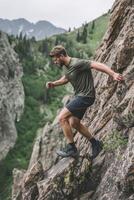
[
  {"x": 74, "y": 123},
  {"x": 61, "y": 118}
]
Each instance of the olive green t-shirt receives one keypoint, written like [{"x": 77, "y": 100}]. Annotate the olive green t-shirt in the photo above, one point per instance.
[{"x": 79, "y": 74}]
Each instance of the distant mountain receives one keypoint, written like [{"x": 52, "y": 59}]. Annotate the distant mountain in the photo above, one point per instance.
[{"x": 39, "y": 30}]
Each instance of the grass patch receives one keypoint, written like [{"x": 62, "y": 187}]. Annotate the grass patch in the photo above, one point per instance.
[{"x": 113, "y": 141}]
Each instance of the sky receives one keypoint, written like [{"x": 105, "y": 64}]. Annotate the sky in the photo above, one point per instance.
[{"x": 62, "y": 13}]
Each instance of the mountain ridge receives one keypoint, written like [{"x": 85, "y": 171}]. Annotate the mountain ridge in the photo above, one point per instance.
[{"x": 40, "y": 30}]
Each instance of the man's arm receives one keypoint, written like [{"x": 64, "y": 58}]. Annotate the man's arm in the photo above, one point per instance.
[
  {"x": 104, "y": 68},
  {"x": 63, "y": 80}
]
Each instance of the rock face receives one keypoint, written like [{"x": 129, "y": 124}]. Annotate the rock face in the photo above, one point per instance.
[
  {"x": 111, "y": 119},
  {"x": 11, "y": 95}
]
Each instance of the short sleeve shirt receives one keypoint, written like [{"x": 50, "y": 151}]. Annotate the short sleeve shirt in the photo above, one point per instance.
[{"x": 79, "y": 74}]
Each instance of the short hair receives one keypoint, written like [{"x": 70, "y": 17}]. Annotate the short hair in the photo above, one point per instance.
[{"x": 57, "y": 51}]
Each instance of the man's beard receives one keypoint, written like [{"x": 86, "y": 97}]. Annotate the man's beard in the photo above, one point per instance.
[{"x": 61, "y": 64}]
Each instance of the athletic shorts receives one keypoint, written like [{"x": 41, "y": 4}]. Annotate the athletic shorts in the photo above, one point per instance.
[{"x": 79, "y": 104}]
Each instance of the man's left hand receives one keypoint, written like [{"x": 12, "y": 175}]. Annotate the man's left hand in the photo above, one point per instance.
[{"x": 118, "y": 77}]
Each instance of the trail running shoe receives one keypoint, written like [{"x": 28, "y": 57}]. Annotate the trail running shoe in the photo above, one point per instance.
[{"x": 68, "y": 151}]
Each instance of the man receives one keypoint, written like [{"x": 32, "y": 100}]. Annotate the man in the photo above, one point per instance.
[{"x": 78, "y": 73}]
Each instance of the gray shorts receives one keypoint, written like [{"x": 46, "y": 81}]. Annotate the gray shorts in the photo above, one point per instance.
[{"x": 79, "y": 105}]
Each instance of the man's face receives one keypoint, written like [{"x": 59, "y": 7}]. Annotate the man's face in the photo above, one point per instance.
[{"x": 58, "y": 60}]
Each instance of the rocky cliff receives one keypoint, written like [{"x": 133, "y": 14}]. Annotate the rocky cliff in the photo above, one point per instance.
[
  {"x": 11, "y": 95},
  {"x": 111, "y": 119}
]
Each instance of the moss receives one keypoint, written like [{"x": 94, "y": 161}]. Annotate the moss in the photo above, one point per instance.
[
  {"x": 114, "y": 141},
  {"x": 67, "y": 179}
]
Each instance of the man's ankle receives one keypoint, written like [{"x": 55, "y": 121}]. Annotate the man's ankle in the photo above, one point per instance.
[
  {"x": 92, "y": 140},
  {"x": 72, "y": 144}
]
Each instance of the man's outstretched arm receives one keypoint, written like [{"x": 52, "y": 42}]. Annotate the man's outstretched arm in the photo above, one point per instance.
[
  {"x": 104, "y": 68},
  {"x": 63, "y": 80}
]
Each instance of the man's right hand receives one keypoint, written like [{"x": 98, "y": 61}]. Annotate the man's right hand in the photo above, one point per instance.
[{"x": 50, "y": 85}]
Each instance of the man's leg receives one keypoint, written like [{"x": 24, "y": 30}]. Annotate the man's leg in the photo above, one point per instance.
[
  {"x": 63, "y": 119},
  {"x": 75, "y": 123},
  {"x": 96, "y": 145},
  {"x": 70, "y": 149}
]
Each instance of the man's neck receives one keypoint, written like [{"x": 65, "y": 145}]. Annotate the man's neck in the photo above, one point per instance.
[{"x": 67, "y": 61}]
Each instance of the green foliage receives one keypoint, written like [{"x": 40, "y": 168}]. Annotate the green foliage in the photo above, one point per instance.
[
  {"x": 23, "y": 47},
  {"x": 34, "y": 86},
  {"x": 43, "y": 48},
  {"x": 29, "y": 66},
  {"x": 114, "y": 141},
  {"x": 11, "y": 38},
  {"x": 93, "y": 25},
  {"x": 84, "y": 34},
  {"x": 96, "y": 31},
  {"x": 78, "y": 36}
]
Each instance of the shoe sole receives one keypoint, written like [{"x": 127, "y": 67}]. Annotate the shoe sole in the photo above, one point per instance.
[{"x": 59, "y": 153}]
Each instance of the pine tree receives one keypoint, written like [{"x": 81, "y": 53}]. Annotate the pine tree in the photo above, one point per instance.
[
  {"x": 84, "y": 34},
  {"x": 78, "y": 36},
  {"x": 21, "y": 36},
  {"x": 93, "y": 25},
  {"x": 45, "y": 46},
  {"x": 56, "y": 41},
  {"x": 69, "y": 30}
]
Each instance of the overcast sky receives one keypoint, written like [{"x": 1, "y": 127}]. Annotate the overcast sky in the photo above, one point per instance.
[{"x": 62, "y": 13}]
